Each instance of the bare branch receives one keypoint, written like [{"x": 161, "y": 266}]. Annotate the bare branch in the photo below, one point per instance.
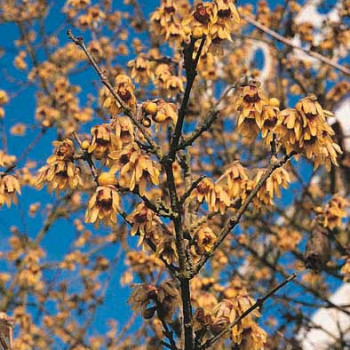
[{"x": 288, "y": 42}]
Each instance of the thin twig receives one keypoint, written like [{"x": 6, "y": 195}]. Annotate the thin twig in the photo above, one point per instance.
[
  {"x": 206, "y": 123},
  {"x": 288, "y": 42},
  {"x": 87, "y": 158}
]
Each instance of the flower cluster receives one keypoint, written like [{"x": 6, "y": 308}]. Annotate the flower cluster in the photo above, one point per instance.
[
  {"x": 135, "y": 168},
  {"x": 301, "y": 130},
  {"x": 103, "y": 141},
  {"x": 305, "y": 130},
  {"x": 9, "y": 187},
  {"x": 215, "y": 20},
  {"x": 60, "y": 173},
  {"x": 246, "y": 334},
  {"x": 334, "y": 212},
  {"x": 103, "y": 206}
]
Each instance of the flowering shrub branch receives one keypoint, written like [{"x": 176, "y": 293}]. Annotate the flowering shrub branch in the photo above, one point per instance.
[{"x": 154, "y": 167}]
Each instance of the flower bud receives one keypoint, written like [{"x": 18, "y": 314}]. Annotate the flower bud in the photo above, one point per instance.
[
  {"x": 106, "y": 179},
  {"x": 197, "y": 33},
  {"x": 85, "y": 145},
  {"x": 150, "y": 108},
  {"x": 146, "y": 122}
]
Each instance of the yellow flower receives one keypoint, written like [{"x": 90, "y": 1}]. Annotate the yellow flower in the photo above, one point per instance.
[
  {"x": 334, "y": 212},
  {"x": 174, "y": 85},
  {"x": 314, "y": 117},
  {"x": 286, "y": 239},
  {"x": 220, "y": 199},
  {"x": 122, "y": 157},
  {"x": 201, "y": 320},
  {"x": 249, "y": 103},
  {"x": 6, "y": 160},
  {"x": 9, "y": 187},
  {"x": 135, "y": 168},
  {"x": 141, "y": 69},
  {"x": 199, "y": 18},
  {"x": 166, "y": 23},
  {"x": 124, "y": 88},
  {"x": 149, "y": 298},
  {"x": 289, "y": 129},
  {"x": 345, "y": 270},
  {"x": 204, "y": 240},
  {"x": 222, "y": 315},
  {"x": 103, "y": 206},
  {"x": 59, "y": 175},
  {"x": 272, "y": 186},
  {"x": 103, "y": 141},
  {"x": 236, "y": 176},
  {"x": 223, "y": 18},
  {"x": 60, "y": 172},
  {"x": 253, "y": 337},
  {"x": 141, "y": 220},
  {"x": 203, "y": 191},
  {"x": 268, "y": 121},
  {"x": 124, "y": 131},
  {"x": 3, "y": 97}
]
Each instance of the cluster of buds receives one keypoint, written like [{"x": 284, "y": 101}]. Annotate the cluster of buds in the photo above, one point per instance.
[{"x": 161, "y": 112}]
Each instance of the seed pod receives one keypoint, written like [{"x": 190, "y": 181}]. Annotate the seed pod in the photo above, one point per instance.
[
  {"x": 148, "y": 313},
  {"x": 318, "y": 249}
]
